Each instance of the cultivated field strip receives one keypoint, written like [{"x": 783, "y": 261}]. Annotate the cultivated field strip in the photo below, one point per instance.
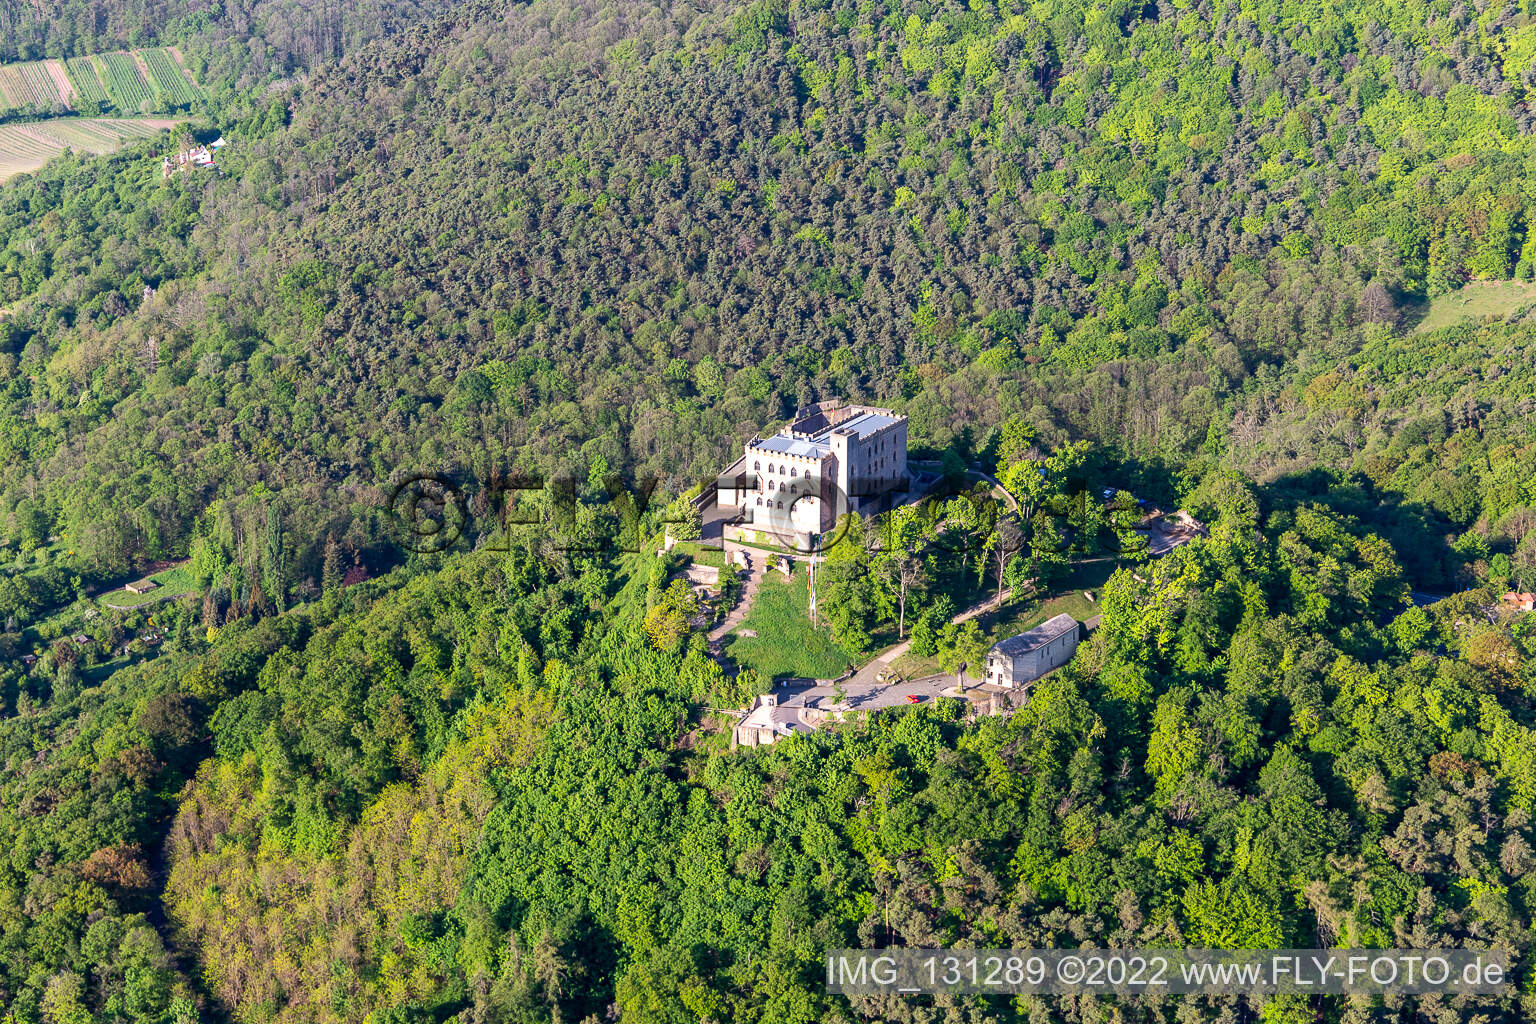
[
  {"x": 13, "y": 84},
  {"x": 60, "y": 79},
  {"x": 26, "y": 147},
  {"x": 133, "y": 81},
  {"x": 36, "y": 85},
  {"x": 124, "y": 83},
  {"x": 87, "y": 82},
  {"x": 167, "y": 77}
]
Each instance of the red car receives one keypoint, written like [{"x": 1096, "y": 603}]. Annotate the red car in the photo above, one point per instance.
[{"x": 913, "y": 698}]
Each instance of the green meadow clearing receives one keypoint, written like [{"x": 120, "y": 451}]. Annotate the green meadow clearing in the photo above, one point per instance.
[
  {"x": 1480, "y": 300},
  {"x": 786, "y": 643}
]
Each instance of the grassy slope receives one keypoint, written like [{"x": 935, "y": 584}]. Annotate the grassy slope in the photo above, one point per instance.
[
  {"x": 786, "y": 643},
  {"x": 1479, "y": 300},
  {"x": 173, "y": 582}
]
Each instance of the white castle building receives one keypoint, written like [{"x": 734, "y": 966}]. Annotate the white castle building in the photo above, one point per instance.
[{"x": 832, "y": 459}]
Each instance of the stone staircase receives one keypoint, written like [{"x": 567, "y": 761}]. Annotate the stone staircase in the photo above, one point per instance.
[{"x": 757, "y": 568}]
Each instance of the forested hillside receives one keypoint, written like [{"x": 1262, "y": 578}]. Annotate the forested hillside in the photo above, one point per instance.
[
  {"x": 627, "y": 237},
  {"x": 1189, "y": 243},
  {"x": 244, "y": 39},
  {"x": 487, "y": 795}
]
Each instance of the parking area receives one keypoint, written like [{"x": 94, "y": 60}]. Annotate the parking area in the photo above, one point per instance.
[{"x": 872, "y": 696}]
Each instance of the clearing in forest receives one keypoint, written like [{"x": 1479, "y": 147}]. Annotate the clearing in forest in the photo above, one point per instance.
[
  {"x": 170, "y": 583},
  {"x": 1479, "y": 301}
]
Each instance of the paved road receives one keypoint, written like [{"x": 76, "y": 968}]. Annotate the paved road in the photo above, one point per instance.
[
  {"x": 868, "y": 696},
  {"x": 866, "y": 675}
]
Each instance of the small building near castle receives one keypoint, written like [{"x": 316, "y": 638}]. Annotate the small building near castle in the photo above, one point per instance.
[
  {"x": 769, "y": 721},
  {"x": 1020, "y": 660}
]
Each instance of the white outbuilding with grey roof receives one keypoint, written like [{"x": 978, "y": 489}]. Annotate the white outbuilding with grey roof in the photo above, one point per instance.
[{"x": 1020, "y": 660}]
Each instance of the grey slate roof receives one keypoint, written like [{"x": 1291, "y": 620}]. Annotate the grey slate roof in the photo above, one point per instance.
[
  {"x": 1041, "y": 635},
  {"x": 863, "y": 424},
  {"x": 786, "y": 445}
]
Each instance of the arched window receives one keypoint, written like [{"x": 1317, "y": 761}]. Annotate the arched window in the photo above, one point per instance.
[
  {"x": 759, "y": 501},
  {"x": 793, "y": 471},
  {"x": 757, "y": 465},
  {"x": 792, "y": 488},
  {"x": 781, "y": 505},
  {"x": 770, "y": 467}
]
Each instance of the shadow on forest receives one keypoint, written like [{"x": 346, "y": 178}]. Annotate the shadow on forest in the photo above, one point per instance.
[{"x": 1416, "y": 531}]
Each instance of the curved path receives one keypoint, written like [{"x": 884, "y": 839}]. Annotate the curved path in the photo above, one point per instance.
[
  {"x": 866, "y": 675},
  {"x": 998, "y": 490}
]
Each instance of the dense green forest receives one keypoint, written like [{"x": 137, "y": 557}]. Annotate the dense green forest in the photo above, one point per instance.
[
  {"x": 487, "y": 792},
  {"x": 621, "y": 240},
  {"x": 1181, "y": 247}
]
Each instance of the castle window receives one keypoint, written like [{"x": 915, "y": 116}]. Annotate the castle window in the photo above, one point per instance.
[
  {"x": 781, "y": 504},
  {"x": 794, "y": 471},
  {"x": 791, "y": 488},
  {"x": 759, "y": 501},
  {"x": 757, "y": 465}
]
